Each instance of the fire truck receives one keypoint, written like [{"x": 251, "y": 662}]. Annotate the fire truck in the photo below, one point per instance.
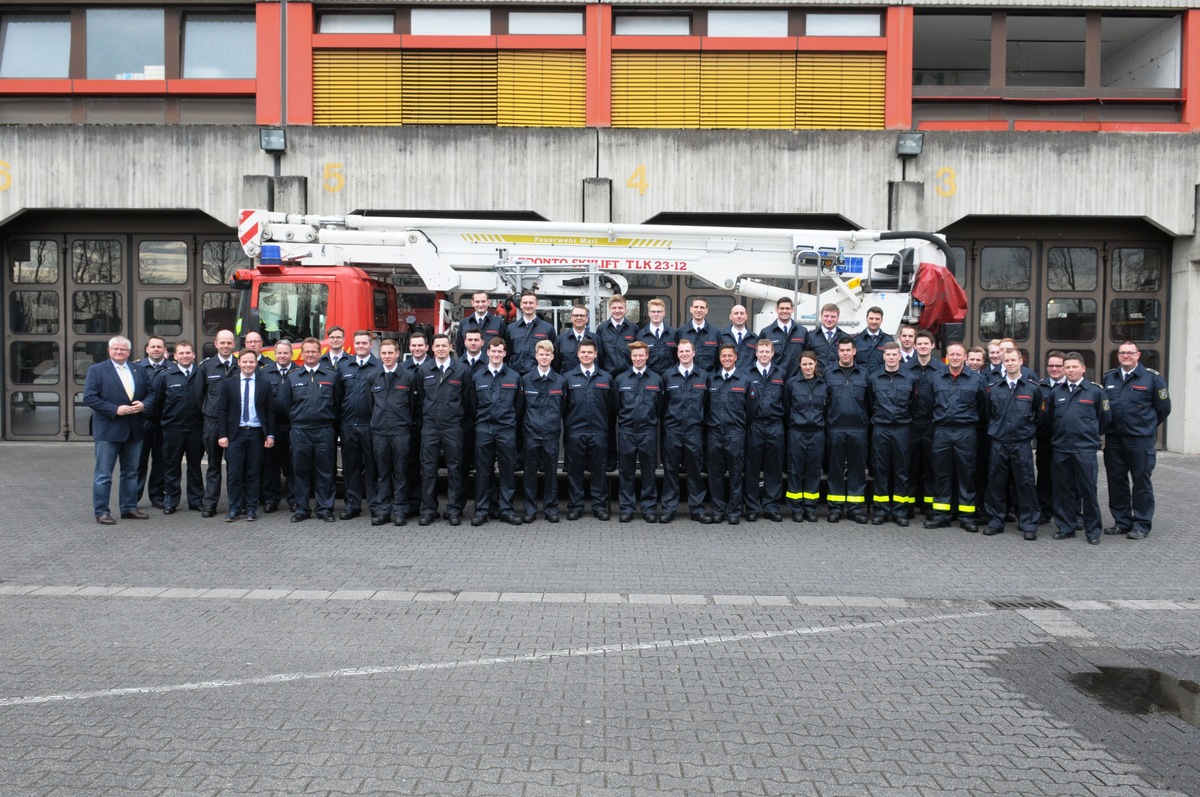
[{"x": 387, "y": 274}]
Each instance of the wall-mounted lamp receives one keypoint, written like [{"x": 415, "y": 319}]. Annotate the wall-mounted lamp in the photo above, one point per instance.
[
  {"x": 272, "y": 139},
  {"x": 908, "y": 145}
]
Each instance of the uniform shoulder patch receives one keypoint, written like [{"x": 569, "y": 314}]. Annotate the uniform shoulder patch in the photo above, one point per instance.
[
  {"x": 1105, "y": 404},
  {"x": 1162, "y": 394}
]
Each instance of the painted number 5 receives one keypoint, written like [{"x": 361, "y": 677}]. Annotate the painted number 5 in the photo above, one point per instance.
[
  {"x": 946, "y": 184},
  {"x": 334, "y": 180},
  {"x": 5, "y": 176},
  {"x": 638, "y": 180}
]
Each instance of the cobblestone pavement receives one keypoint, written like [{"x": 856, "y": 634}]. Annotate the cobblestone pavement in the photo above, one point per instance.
[{"x": 182, "y": 656}]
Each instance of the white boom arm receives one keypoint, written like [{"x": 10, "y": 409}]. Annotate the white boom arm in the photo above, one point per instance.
[{"x": 561, "y": 258}]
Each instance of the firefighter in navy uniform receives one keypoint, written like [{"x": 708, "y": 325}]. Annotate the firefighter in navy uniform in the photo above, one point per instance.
[
  {"x": 686, "y": 390},
  {"x": 658, "y": 338},
  {"x": 418, "y": 355},
  {"x": 443, "y": 384},
  {"x": 892, "y": 392},
  {"x": 393, "y": 400},
  {"x": 731, "y": 401},
  {"x": 495, "y": 402},
  {"x": 210, "y": 374},
  {"x": 312, "y": 395},
  {"x": 704, "y": 336},
  {"x": 808, "y": 403},
  {"x": 181, "y": 421},
  {"x": 1014, "y": 412},
  {"x": 742, "y": 337},
  {"x": 488, "y": 325},
  {"x": 846, "y": 423},
  {"x": 277, "y": 460},
  {"x": 925, "y": 367},
  {"x": 767, "y": 437},
  {"x": 569, "y": 339},
  {"x": 870, "y": 342},
  {"x": 1044, "y": 456},
  {"x": 588, "y": 420},
  {"x": 958, "y": 410},
  {"x": 639, "y": 399},
  {"x": 1079, "y": 414},
  {"x": 545, "y": 398},
  {"x": 788, "y": 337},
  {"x": 1138, "y": 399},
  {"x": 525, "y": 333},
  {"x": 358, "y": 457},
  {"x": 822, "y": 339},
  {"x": 615, "y": 336}
]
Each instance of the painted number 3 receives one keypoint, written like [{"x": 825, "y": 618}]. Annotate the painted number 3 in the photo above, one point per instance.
[
  {"x": 946, "y": 184},
  {"x": 638, "y": 180}
]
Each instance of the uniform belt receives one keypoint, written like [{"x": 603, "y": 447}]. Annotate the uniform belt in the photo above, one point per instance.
[{"x": 250, "y": 427}]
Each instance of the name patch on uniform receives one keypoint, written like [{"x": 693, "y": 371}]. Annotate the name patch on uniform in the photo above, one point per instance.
[{"x": 1140, "y": 387}]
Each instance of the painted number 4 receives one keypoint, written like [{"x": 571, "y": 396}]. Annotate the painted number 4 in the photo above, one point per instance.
[{"x": 638, "y": 180}]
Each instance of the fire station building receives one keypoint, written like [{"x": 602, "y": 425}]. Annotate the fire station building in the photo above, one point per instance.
[{"x": 1056, "y": 145}]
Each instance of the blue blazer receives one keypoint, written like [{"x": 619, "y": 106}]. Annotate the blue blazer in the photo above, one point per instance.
[
  {"x": 229, "y": 405},
  {"x": 103, "y": 393}
]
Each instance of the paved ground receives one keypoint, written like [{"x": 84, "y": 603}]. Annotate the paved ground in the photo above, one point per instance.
[{"x": 179, "y": 656}]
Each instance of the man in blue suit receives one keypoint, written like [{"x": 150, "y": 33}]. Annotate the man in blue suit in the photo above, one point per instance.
[{"x": 117, "y": 395}]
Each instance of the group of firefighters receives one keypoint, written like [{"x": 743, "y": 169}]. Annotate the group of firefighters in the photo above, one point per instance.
[{"x": 743, "y": 424}]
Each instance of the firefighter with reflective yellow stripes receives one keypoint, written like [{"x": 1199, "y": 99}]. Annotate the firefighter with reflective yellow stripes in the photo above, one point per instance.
[
  {"x": 959, "y": 398},
  {"x": 808, "y": 401},
  {"x": 893, "y": 390},
  {"x": 847, "y": 423}
]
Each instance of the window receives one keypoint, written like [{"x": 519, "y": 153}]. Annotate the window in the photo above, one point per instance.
[
  {"x": 162, "y": 317},
  {"x": 959, "y": 267},
  {"x": 33, "y": 362},
  {"x": 96, "y": 313},
  {"x": 125, "y": 43},
  {"x": 218, "y": 46},
  {"x": 647, "y": 25},
  {"x": 357, "y": 23},
  {"x": 758, "y": 24},
  {"x": 219, "y": 259},
  {"x": 1004, "y": 268},
  {"x": 33, "y": 261},
  {"x": 569, "y": 23},
  {"x": 1045, "y": 51},
  {"x": 1071, "y": 319},
  {"x": 85, "y": 354},
  {"x": 952, "y": 49},
  {"x": 218, "y": 311},
  {"x": 380, "y": 309},
  {"x": 96, "y": 261},
  {"x": 1140, "y": 52},
  {"x": 33, "y": 413},
  {"x": 33, "y": 312},
  {"x": 1004, "y": 318},
  {"x": 1072, "y": 269},
  {"x": 1136, "y": 269},
  {"x": 842, "y": 25},
  {"x": 163, "y": 262},
  {"x": 292, "y": 310},
  {"x": 451, "y": 21},
  {"x": 1135, "y": 319},
  {"x": 35, "y": 45}
]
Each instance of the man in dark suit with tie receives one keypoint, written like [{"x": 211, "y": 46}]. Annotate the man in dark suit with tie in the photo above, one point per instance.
[
  {"x": 246, "y": 409},
  {"x": 117, "y": 395}
]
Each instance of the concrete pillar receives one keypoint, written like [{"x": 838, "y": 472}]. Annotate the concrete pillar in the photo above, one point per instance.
[
  {"x": 597, "y": 199},
  {"x": 1183, "y": 342},
  {"x": 291, "y": 194},
  {"x": 257, "y": 192},
  {"x": 906, "y": 206}
]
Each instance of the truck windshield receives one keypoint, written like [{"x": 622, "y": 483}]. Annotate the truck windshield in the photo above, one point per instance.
[{"x": 292, "y": 310}]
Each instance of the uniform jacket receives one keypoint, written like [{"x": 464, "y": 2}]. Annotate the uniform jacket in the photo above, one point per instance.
[
  {"x": 825, "y": 350},
  {"x": 958, "y": 400},
  {"x": 274, "y": 377},
  {"x": 545, "y": 402},
  {"x": 1077, "y": 419},
  {"x": 590, "y": 402},
  {"x": 211, "y": 372},
  {"x": 730, "y": 403},
  {"x": 614, "y": 355},
  {"x": 747, "y": 352},
  {"x": 770, "y": 392},
  {"x": 788, "y": 346},
  {"x": 849, "y": 406},
  {"x": 496, "y": 402},
  {"x": 869, "y": 350},
  {"x": 493, "y": 326},
  {"x": 444, "y": 398},
  {"x": 662, "y": 349},
  {"x": 229, "y": 405},
  {"x": 1013, "y": 416},
  {"x": 922, "y": 411},
  {"x": 1138, "y": 404},
  {"x": 393, "y": 401},
  {"x": 523, "y": 338},
  {"x": 706, "y": 342},
  {"x": 686, "y": 401},
  {"x": 808, "y": 401},
  {"x": 567, "y": 346},
  {"x": 104, "y": 392},
  {"x": 176, "y": 405},
  {"x": 356, "y": 388},
  {"x": 480, "y": 363},
  {"x": 639, "y": 401},
  {"x": 312, "y": 400},
  {"x": 892, "y": 394}
]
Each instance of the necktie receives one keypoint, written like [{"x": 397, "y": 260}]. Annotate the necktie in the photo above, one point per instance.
[
  {"x": 1072, "y": 387},
  {"x": 687, "y": 374},
  {"x": 471, "y": 360},
  {"x": 579, "y": 338},
  {"x": 361, "y": 363},
  {"x": 725, "y": 377},
  {"x": 787, "y": 330},
  {"x": 187, "y": 373},
  {"x": 442, "y": 368},
  {"x": 495, "y": 374},
  {"x": 829, "y": 336},
  {"x": 126, "y": 379},
  {"x": 245, "y": 401},
  {"x": 658, "y": 333},
  {"x": 587, "y": 375},
  {"x": 739, "y": 338},
  {"x": 1012, "y": 386}
]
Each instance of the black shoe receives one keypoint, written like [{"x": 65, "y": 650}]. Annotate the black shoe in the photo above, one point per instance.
[
  {"x": 1136, "y": 534},
  {"x": 650, "y": 517},
  {"x": 197, "y": 507},
  {"x": 810, "y": 515},
  {"x": 1116, "y": 530},
  {"x": 703, "y": 518},
  {"x": 859, "y": 518},
  {"x": 299, "y": 517},
  {"x": 350, "y": 514},
  {"x": 574, "y": 514},
  {"x": 667, "y": 518},
  {"x": 1031, "y": 535},
  {"x": 969, "y": 526},
  {"x": 157, "y": 503},
  {"x": 775, "y": 517},
  {"x": 879, "y": 520},
  {"x": 510, "y": 518},
  {"x": 937, "y": 523},
  {"x": 600, "y": 514},
  {"x": 626, "y": 517},
  {"x": 251, "y": 517},
  {"x": 1063, "y": 535},
  {"x": 168, "y": 510},
  {"x": 208, "y": 512},
  {"x": 1093, "y": 540},
  {"x": 835, "y": 516},
  {"x": 399, "y": 520},
  {"x": 798, "y": 517},
  {"x": 992, "y": 531},
  {"x": 426, "y": 518},
  {"x": 751, "y": 517},
  {"x": 454, "y": 520},
  {"x": 1079, "y": 526},
  {"x": 232, "y": 516},
  {"x": 529, "y": 518},
  {"x": 734, "y": 520},
  {"x": 269, "y": 508},
  {"x": 328, "y": 517},
  {"x": 479, "y": 519},
  {"x": 902, "y": 521},
  {"x": 379, "y": 520},
  {"x": 552, "y": 518}
]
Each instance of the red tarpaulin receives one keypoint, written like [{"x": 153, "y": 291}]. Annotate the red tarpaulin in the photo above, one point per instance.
[{"x": 944, "y": 299}]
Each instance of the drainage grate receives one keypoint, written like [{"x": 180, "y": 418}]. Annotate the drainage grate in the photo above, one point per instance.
[{"x": 1024, "y": 603}]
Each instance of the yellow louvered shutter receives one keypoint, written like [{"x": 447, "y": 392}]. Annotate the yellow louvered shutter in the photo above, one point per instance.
[
  {"x": 445, "y": 87},
  {"x": 748, "y": 90},
  {"x": 356, "y": 87},
  {"x": 840, "y": 90},
  {"x": 655, "y": 89},
  {"x": 541, "y": 88}
]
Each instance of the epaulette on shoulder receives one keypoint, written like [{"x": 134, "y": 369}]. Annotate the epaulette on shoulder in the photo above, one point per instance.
[{"x": 1151, "y": 370}]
